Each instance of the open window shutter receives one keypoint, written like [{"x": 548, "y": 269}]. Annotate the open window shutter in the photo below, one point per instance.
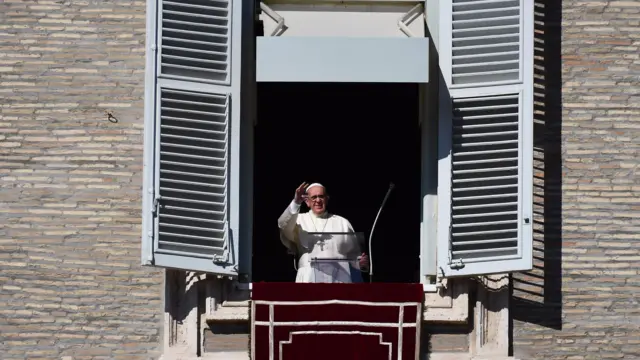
[
  {"x": 486, "y": 128},
  {"x": 484, "y": 42},
  {"x": 192, "y": 109}
]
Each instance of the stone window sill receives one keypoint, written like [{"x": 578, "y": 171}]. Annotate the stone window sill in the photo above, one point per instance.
[{"x": 449, "y": 304}]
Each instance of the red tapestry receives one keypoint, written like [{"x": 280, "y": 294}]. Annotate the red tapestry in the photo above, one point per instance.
[{"x": 304, "y": 321}]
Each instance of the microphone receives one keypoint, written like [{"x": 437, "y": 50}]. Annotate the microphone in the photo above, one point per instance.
[{"x": 384, "y": 201}]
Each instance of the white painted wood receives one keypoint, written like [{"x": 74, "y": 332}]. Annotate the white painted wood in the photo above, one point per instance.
[
  {"x": 193, "y": 122},
  {"x": 487, "y": 254},
  {"x": 484, "y": 43},
  {"x": 194, "y": 40},
  {"x": 148, "y": 173},
  {"x": 331, "y": 59},
  {"x": 344, "y": 19},
  {"x": 429, "y": 185},
  {"x": 192, "y": 216},
  {"x": 487, "y": 225},
  {"x": 432, "y": 18}
]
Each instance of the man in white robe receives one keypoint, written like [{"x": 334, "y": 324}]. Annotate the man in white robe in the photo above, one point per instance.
[{"x": 299, "y": 233}]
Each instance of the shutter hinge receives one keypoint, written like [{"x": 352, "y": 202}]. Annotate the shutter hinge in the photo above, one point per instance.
[
  {"x": 456, "y": 264},
  {"x": 156, "y": 206}
]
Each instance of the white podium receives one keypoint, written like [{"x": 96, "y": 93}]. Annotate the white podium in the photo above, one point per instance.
[{"x": 337, "y": 269}]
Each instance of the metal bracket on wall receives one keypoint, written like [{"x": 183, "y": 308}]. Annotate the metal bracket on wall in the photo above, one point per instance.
[
  {"x": 408, "y": 18},
  {"x": 281, "y": 27}
]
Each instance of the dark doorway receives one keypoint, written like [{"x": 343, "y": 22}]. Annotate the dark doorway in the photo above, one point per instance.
[{"x": 355, "y": 139}]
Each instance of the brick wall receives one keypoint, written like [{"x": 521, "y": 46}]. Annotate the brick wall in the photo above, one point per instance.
[
  {"x": 581, "y": 301},
  {"x": 70, "y": 280},
  {"x": 71, "y": 284}
]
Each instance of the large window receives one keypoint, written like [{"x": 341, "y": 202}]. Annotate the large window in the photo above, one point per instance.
[
  {"x": 355, "y": 139},
  {"x": 202, "y": 163}
]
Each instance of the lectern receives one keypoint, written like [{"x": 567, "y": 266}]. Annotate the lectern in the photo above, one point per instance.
[{"x": 337, "y": 269}]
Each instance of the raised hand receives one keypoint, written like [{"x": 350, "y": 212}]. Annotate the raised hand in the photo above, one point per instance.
[{"x": 301, "y": 192}]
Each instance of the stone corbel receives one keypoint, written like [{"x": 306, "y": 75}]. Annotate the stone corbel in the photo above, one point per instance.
[
  {"x": 181, "y": 315},
  {"x": 449, "y": 304},
  {"x": 490, "y": 335},
  {"x": 489, "y": 339},
  {"x": 227, "y": 302},
  {"x": 186, "y": 317}
]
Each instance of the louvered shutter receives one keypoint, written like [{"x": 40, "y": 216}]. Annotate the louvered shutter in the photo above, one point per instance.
[
  {"x": 194, "y": 40},
  {"x": 486, "y": 123},
  {"x": 484, "y": 42},
  {"x": 192, "y": 110}
]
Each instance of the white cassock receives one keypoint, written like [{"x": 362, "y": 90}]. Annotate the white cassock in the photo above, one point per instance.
[{"x": 295, "y": 229}]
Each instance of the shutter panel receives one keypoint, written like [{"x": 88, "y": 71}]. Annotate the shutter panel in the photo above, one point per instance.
[
  {"x": 192, "y": 214},
  {"x": 194, "y": 40},
  {"x": 192, "y": 108},
  {"x": 485, "y": 167},
  {"x": 482, "y": 41}
]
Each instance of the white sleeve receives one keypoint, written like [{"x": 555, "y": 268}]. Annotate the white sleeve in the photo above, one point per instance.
[
  {"x": 294, "y": 208},
  {"x": 287, "y": 222}
]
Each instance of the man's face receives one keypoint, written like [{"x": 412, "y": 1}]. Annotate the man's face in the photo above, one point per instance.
[{"x": 317, "y": 200}]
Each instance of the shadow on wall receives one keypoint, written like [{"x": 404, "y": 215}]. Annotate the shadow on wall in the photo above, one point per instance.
[{"x": 537, "y": 295}]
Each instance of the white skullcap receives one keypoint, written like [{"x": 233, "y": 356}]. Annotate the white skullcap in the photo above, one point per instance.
[{"x": 314, "y": 184}]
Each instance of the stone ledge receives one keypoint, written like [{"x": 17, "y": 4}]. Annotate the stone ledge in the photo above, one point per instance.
[
  {"x": 230, "y": 311},
  {"x": 448, "y": 305},
  {"x": 465, "y": 356},
  {"x": 223, "y": 355},
  {"x": 244, "y": 355}
]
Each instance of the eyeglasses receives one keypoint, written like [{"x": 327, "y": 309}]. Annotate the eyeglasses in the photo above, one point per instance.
[{"x": 317, "y": 197}]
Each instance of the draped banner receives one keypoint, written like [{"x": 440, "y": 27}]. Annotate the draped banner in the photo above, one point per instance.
[{"x": 293, "y": 321}]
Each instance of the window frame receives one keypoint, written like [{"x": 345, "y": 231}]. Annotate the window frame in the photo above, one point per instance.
[{"x": 241, "y": 162}]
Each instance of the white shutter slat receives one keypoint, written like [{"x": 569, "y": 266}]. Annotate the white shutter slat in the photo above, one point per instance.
[
  {"x": 195, "y": 40},
  {"x": 193, "y": 162},
  {"x": 479, "y": 223},
  {"x": 483, "y": 252},
  {"x": 209, "y": 5},
  {"x": 487, "y": 196},
  {"x": 485, "y": 42}
]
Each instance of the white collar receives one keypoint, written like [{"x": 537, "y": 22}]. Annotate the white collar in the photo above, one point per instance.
[{"x": 324, "y": 215}]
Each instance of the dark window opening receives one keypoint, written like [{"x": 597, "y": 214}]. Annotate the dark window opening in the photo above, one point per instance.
[{"x": 355, "y": 139}]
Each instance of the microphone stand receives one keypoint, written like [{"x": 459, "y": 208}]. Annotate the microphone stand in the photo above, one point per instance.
[{"x": 384, "y": 201}]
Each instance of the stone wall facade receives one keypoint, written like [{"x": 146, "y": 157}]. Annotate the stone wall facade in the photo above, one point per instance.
[
  {"x": 581, "y": 301},
  {"x": 71, "y": 117}
]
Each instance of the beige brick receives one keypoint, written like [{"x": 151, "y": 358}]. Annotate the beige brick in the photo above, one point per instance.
[{"x": 61, "y": 272}]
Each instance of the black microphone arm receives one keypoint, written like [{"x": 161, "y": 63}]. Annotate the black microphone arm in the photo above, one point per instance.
[{"x": 386, "y": 197}]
